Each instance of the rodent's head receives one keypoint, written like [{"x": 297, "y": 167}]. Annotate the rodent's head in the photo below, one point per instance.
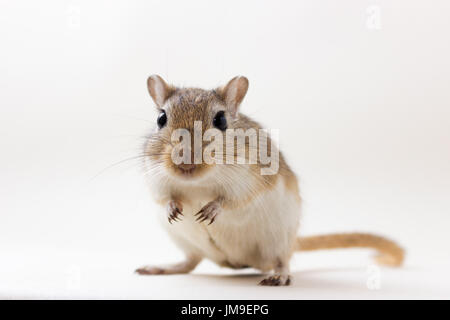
[{"x": 184, "y": 108}]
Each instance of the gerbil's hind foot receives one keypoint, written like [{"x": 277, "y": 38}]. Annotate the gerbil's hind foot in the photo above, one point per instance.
[
  {"x": 179, "y": 268},
  {"x": 148, "y": 270},
  {"x": 281, "y": 275},
  {"x": 276, "y": 280}
]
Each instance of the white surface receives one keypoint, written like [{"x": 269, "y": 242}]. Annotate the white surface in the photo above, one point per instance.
[
  {"x": 56, "y": 274},
  {"x": 363, "y": 116}
]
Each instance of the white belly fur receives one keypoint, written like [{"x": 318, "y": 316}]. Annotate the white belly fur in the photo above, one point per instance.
[{"x": 255, "y": 235}]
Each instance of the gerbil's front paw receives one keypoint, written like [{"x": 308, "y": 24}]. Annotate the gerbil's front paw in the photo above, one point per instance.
[
  {"x": 209, "y": 212},
  {"x": 276, "y": 280},
  {"x": 174, "y": 211}
]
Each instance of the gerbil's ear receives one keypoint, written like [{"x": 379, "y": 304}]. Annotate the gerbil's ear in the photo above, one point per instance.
[
  {"x": 159, "y": 89},
  {"x": 234, "y": 92}
]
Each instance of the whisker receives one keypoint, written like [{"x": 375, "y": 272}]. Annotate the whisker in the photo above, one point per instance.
[{"x": 116, "y": 164}]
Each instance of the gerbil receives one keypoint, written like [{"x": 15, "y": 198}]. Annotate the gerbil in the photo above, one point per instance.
[{"x": 230, "y": 213}]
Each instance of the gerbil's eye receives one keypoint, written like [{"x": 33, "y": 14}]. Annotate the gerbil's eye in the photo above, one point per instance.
[
  {"x": 162, "y": 119},
  {"x": 219, "y": 121}
]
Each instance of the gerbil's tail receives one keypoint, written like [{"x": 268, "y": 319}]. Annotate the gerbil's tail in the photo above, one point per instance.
[{"x": 389, "y": 252}]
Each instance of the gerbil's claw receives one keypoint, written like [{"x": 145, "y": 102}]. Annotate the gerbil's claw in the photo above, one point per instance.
[
  {"x": 174, "y": 211},
  {"x": 209, "y": 212}
]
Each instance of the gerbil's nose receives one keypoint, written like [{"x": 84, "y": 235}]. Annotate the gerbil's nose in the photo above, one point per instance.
[{"x": 186, "y": 167}]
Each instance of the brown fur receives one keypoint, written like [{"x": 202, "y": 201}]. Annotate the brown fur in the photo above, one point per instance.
[{"x": 389, "y": 252}]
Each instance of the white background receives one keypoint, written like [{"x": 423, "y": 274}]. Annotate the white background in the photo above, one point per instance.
[{"x": 359, "y": 91}]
